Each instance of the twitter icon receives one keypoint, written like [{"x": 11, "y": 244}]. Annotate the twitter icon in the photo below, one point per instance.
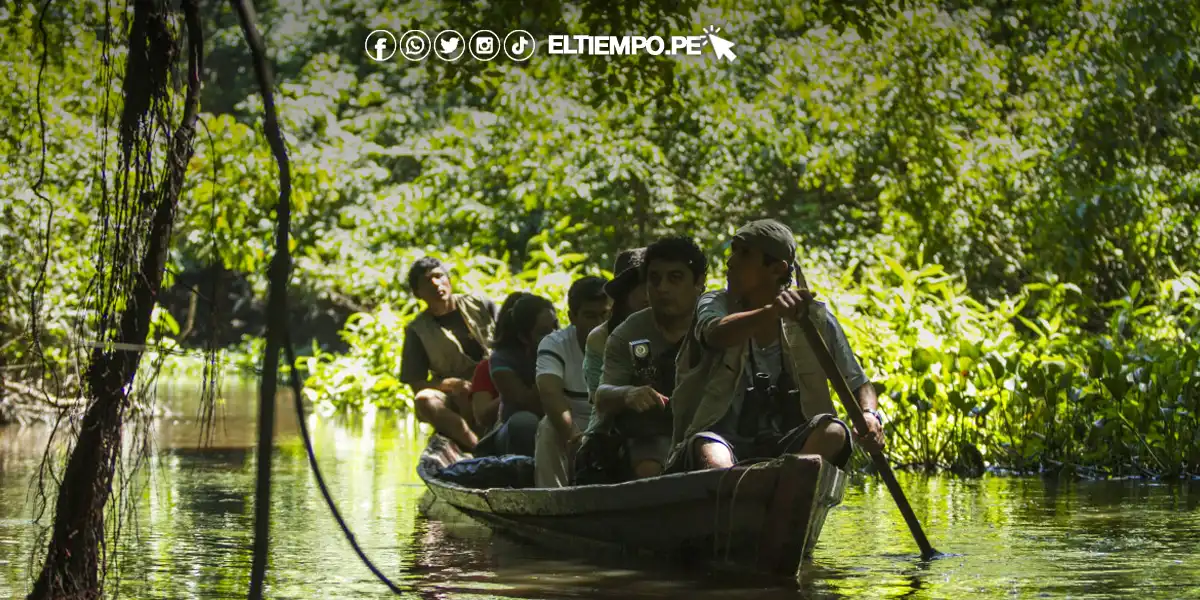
[{"x": 450, "y": 45}]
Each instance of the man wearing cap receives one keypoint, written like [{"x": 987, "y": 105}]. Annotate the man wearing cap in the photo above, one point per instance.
[{"x": 749, "y": 384}]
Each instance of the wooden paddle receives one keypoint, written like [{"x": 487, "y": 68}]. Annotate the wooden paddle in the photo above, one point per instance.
[{"x": 834, "y": 374}]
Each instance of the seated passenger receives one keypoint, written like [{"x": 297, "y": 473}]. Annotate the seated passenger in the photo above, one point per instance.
[
  {"x": 628, "y": 295},
  {"x": 750, "y": 385},
  {"x": 442, "y": 346},
  {"x": 513, "y": 368},
  {"x": 485, "y": 399},
  {"x": 639, "y": 356},
  {"x": 560, "y": 382}
]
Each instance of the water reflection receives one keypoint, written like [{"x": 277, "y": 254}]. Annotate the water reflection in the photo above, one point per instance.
[{"x": 190, "y": 536}]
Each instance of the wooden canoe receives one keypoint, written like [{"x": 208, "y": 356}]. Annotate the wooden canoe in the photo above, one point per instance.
[{"x": 764, "y": 517}]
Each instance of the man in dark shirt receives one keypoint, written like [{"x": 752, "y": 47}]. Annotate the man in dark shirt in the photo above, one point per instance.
[{"x": 442, "y": 346}]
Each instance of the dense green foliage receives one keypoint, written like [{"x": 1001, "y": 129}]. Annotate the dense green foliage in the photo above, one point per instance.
[{"x": 999, "y": 199}]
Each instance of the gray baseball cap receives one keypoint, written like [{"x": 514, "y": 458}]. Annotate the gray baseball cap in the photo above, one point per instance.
[{"x": 770, "y": 237}]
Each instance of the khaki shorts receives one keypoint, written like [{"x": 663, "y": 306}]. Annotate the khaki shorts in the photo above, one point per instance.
[{"x": 655, "y": 448}]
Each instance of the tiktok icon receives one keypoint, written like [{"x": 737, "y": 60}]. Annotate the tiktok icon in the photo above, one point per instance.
[
  {"x": 380, "y": 45},
  {"x": 519, "y": 45}
]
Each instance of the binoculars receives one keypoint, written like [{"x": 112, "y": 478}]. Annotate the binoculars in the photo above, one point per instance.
[{"x": 765, "y": 398}]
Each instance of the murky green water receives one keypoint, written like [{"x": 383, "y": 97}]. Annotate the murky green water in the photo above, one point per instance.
[{"x": 190, "y": 536}]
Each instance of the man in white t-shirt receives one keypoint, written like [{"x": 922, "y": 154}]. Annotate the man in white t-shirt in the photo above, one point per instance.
[{"x": 561, "y": 384}]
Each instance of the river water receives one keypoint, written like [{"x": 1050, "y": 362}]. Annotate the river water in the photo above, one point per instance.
[{"x": 189, "y": 530}]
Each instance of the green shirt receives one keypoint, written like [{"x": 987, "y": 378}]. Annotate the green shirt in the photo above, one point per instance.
[
  {"x": 618, "y": 368},
  {"x": 618, "y": 361}
]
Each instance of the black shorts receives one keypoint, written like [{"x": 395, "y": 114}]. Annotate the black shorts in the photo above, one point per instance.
[
  {"x": 655, "y": 448},
  {"x": 789, "y": 443}
]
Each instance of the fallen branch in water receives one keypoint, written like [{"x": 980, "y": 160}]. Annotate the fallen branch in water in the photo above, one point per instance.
[
  {"x": 25, "y": 404},
  {"x": 25, "y": 394},
  {"x": 25, "y": 413}
]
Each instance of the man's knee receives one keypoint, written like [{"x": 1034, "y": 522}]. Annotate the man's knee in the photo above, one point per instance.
[
  {"x": 709, "y": 454},
  {"x": 647, "y": 455},
  {"x": 829, "y": 440},
  {"x": 834, "y": 434},
  {"x": 647, "y": 468},
  {"x": 427, "y": 403},
  {"x": 524, "y": 423}
]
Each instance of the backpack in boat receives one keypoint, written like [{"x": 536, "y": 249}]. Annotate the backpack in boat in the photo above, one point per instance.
[
  {"x": 601, "y": 459},
  {"x": 508, "y": 471}
]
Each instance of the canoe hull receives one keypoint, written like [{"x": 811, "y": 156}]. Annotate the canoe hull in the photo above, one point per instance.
[{"x": 766, "y": 517}]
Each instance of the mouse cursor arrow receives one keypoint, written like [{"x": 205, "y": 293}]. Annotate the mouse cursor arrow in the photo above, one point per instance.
[{"x": 722, "y": 47}]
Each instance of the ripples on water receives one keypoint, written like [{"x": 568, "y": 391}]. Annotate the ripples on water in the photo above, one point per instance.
[{"x": 1008, "y": 537}]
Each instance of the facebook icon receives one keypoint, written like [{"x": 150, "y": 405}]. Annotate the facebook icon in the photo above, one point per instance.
[{"x": 380, "y": 45}]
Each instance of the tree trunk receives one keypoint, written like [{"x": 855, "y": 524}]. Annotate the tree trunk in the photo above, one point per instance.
[
  {"x": 641, "y": 197},
  {"x": 72, "y": 566}
]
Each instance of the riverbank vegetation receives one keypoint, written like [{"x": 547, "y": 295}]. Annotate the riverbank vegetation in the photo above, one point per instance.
[{"x": 999, "y": 199}]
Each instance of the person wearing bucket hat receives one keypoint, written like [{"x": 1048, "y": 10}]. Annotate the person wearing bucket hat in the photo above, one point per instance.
[
  {"x": 751, "y": 386},
  {"x": 627, "y": 278},
  {"x": 628, "y": 293}
]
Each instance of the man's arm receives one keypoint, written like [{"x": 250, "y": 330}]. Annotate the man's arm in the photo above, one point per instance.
[
  {"x": 873, "y": 439},
  {"x": 610, "y": 399},
  {"x": 856, "y": 379},
  {"x": 593, "y": 361},
  {"x": 514, "y": 392},
  {"x": 448, "y": 385},
  {"x": 718, "y": 328},
  {"x": 867, "y": 399},
  {"x": 616, "y": 392},
  {"x": 551, "y": 371},
  {"x": 555, "y": 404},
  {"x": 735, "y": 329}
]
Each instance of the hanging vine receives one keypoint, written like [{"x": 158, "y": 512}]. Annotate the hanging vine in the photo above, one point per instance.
[{"x": 134, "y": 237}]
